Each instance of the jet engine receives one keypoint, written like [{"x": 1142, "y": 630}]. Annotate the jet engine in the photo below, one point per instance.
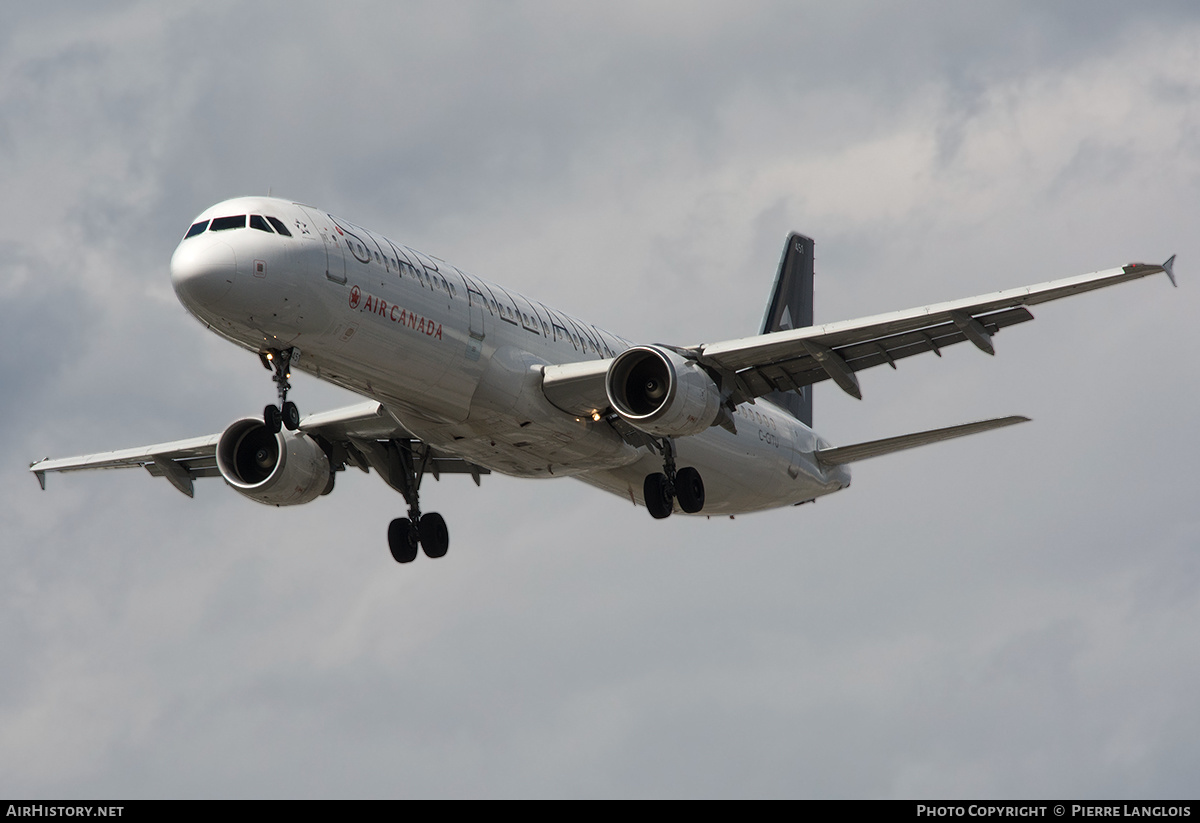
[
  {"x": 279, "y": 469},
  {"x": 661, "y": 393}
]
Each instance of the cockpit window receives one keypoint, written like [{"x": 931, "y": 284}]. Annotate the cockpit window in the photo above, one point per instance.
[
  {"x": 257, "y": 222},
  {"x": 279, "y": 227},
  {"x": 226, "y": 223},
  {"x": 196, "y": 229}
]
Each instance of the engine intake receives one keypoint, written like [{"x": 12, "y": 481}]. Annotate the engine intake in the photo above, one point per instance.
[
  {"x": 661, "y": 393},
  {"x": 278, "y": 469}
]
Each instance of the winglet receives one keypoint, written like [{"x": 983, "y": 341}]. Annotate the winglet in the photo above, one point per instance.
[
  {"x": 1169, "y": 268},
  {"x": 41, "y": 478}
]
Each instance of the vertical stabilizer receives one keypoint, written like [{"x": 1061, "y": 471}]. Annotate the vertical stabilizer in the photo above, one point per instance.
[{"x": 791, "y": 307}]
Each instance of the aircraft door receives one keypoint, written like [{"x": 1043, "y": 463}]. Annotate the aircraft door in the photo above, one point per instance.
[
  {"x": 475, "y": 308},
  {"x": 803, "y": 443},
  {"x": 335, "y": 263}
]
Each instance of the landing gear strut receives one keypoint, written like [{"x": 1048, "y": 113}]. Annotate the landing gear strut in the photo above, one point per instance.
[
  {"x": 285, "y": 414},
  {"x": 661, "y": 489},
  {"x": 406, "y": 534}
]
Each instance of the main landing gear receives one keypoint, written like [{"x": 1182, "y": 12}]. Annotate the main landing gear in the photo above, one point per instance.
[
  {"x": 285, "y": 414},
  {"x": 406, "y": 534},
  {"x": 661, "y": 489}
]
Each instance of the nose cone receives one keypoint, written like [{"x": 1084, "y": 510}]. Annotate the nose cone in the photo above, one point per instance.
[{"x": 202, "y": 272}]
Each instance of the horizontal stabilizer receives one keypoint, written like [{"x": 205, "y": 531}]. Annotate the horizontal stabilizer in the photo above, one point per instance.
[{"x": 875, "y": 448}]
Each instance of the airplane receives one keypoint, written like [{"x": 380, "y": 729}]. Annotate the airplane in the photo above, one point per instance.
[{"x": 464, "y": 376}]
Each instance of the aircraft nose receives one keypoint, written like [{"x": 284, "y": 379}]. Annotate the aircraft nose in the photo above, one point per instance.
[{"x": 202, "y": 273}]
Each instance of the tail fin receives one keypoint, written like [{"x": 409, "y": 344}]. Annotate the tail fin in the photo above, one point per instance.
[{"x": 791, "y": 307}]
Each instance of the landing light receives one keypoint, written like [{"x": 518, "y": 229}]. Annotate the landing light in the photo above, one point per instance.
[{"x": 596, "y": 416}]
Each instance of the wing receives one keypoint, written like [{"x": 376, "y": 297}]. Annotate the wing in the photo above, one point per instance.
[
  {"x": 363, "y": 436},
  {"x": 789, "y": 360},
  {"x": 178, "y": 461},
  {"x": 793, "y": 359}
]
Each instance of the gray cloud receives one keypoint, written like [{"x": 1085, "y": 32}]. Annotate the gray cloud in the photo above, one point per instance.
[{"x": 1008, "y": 615}]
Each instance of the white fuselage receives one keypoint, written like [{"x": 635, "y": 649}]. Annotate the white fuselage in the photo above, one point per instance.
[{"x": 458, "y": 360}]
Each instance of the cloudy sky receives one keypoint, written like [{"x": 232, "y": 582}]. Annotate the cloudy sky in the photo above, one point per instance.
[{"x": 1009, "y": 615}]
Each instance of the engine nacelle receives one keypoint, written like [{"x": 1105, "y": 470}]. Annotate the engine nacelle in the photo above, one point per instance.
[
  {"x": 279, "y": 469},
  {"x": 661, "y": 393}
]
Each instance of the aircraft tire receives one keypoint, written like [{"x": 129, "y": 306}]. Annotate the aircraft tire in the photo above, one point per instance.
[
  {"x": 689, "y": 490},
  {"x": 401, "y": 542},
  {"x": 272, "y": 419},
  {"x": 435, "y": 537},
  {"x": 290, "y": 416},
  {"x": 658, "y": 500}
]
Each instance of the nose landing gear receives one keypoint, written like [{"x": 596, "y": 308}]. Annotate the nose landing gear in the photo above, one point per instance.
[
  {"x": 285, "y": 415},
  {"x": 661, "y": 489}
]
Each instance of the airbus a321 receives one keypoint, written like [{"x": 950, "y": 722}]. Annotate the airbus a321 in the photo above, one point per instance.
[{"x": 464, "y": 376}]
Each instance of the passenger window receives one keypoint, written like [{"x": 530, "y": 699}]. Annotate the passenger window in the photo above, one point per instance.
[
  {"x": 196, "y": 228},
  {"x": 256, "y": 222},
  {"x": 279, "y": 227},
  {"x": 226, "y": 223}
]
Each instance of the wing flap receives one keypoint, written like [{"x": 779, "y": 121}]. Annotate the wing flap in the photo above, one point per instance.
[
  {"x": 876, "y": 448},
  {"x": 804, "y": 370},
  {"x": 195, "y": 469}
]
